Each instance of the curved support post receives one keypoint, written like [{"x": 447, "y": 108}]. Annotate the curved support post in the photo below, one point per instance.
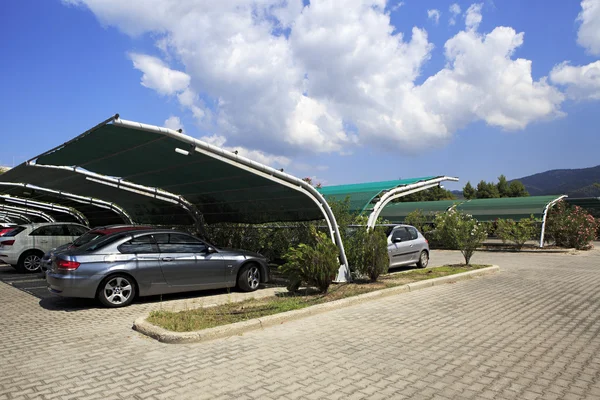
[
  {"x": 548, "y": 206},
  {"x": 16, "y": 215},
  {"x": 261, "y": 170},
  {"x": 403, "y": 191}
]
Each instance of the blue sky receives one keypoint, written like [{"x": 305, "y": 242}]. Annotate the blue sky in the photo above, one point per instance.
[{"x": 69, "y": 65}]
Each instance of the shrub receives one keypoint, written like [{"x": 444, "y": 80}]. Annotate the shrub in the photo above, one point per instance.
[
  {"x": 418, "y": 220},
  {"x": 571, "y": 226},
  {"x": 366, "y": 250},
  {"x": 516, "y": 232},
  {"x": 456, "y": 230},
  {"x": 315, "y": 264}
]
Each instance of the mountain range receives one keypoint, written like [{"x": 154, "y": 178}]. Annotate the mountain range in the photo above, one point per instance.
[{"x": 583, "y": 182}]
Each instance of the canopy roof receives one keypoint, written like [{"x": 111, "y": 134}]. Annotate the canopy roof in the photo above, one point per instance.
[
  {"x": 591, "y": 204},
  {"x": 221, "y": 190},
  {"x": 362, "y": 195},
  {"x": 482, "y": 209}
]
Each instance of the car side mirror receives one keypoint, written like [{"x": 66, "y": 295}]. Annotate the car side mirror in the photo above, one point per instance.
[
  {"x": 210, "y": 250},
  {"x": 396, "y": 240}
]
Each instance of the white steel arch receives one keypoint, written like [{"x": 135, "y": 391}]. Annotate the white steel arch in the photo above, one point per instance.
[{"x": 46, "y": 206}]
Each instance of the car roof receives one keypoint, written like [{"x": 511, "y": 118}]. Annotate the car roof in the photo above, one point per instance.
[
  {"x": 39, "y": 224},
  {"x": 108, "y": 230}
]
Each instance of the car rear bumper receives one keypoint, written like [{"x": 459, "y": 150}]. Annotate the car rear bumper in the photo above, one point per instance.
[
  {"x": 69, "y": 285},
  {"x": 8, "y": 258}
]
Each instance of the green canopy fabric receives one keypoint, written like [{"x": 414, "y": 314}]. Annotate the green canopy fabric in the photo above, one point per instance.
[
  {"x": 362, "y": 195},
  {"x": 396, "y": 212},
  {"x": 222, "y": 192},
  {"x": 481, "y": 209},
  {"x": 591, "y": 204}
]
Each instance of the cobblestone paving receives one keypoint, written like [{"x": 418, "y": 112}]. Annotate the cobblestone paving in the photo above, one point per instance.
[{"x": 529, "y": 331}]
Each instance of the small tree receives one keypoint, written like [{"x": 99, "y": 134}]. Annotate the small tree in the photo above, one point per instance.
[
  {"x": 459, "y": 231},
  {"x": 502, "y": 186},
  {"x": 487, "y": 190},
  {"x": 367, "y": 251},
  {"x": 516, "y": 232},
  {"x": 314, "y": 264},
  {"x": 517, "y": 189},
  {"x": 469, "y": 191}
]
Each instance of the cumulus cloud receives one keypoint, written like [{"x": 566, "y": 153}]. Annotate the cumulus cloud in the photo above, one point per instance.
[
  {"x": 454, "y": 12},
  {"x": 285, "y": 77},
  {"x": 174, "y": 123},
  {"x": 588, "y": 35},
  {"x": 582, "y": 82},
  {"x": 434, "y": 15}
]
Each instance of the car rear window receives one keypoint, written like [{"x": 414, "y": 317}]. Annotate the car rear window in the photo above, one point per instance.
[
  {"x": 14, "y": 232},
  {"x": 86, "y": 238}
]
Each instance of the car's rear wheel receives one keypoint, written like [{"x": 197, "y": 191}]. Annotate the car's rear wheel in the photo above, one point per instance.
[
  {"x": 30, "y": 261},
  {"x": 117, "y": 291},
  {"x": 249, "y": 277},
  {"x": 423, "y": 259}
]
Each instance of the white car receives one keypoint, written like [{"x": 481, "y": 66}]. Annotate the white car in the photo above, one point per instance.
[{"x": 25, "y": 245}]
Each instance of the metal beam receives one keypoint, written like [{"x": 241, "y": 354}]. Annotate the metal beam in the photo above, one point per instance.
[{"x": 27, "y": 211}]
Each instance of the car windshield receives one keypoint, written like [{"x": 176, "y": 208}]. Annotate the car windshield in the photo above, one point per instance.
[{"x": 86, "y": 238}]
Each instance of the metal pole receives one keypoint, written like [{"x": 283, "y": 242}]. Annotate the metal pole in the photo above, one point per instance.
[{"x": 548, "y": 206}]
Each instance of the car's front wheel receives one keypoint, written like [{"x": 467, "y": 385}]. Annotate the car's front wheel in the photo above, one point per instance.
[
  {"x": 30, "y": 261},
  {"x": 249, "y": 278},
  {"x": 117, "y": 291},
  {"x": 423, "y": 259}
]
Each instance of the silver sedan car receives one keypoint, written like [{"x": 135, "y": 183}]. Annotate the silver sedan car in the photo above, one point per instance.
[
  {"x": 116, "y": 268},
  {"x": 406, "y": 246}
]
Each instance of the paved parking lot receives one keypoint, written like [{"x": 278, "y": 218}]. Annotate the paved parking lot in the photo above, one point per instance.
[{"x": 529, "y": 331}]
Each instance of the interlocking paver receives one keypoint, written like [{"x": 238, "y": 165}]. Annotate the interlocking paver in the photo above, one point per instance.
[{"x": 531, "y": 330}]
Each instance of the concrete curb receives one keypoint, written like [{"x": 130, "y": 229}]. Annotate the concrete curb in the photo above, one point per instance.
[{"x": 166, "y": 336}]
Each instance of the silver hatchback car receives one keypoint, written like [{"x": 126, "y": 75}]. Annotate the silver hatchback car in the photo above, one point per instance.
[
  {"x": 406, "y": 246},
  {"x": 118, "y": 267}
]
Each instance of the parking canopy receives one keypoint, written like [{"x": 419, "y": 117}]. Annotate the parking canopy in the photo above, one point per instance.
[
  {"x": 363, "y": 195},
  {"x": 515, "y": 208}
]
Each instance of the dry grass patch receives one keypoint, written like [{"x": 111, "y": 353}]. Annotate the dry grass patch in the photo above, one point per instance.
[{"x": 209, "y": 317}]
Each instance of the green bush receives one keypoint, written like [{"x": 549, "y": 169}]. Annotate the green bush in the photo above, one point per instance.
[
  {"x": 516, "y": 232},
  {"x": 459, "y": 231},
  {"x": 315, "y": 264},
  {"x": 417, "y": 219},
  {"x": 571, "y": 226},
  {"x": 366, "y": 250}
]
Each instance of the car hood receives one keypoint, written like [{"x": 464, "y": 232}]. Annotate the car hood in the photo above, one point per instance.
[{"x": 239, "y": 252}]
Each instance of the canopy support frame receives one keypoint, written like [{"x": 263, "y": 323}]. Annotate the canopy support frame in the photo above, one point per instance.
[
  {"x": 544, "y": 217},
  {"x": 27, "y": 211},
  {"x": 77, "y": 198},
  {"x": 263, "y": 171},
  {"x": 403, "y": 191},
  {"x": 47, "y": 206}
]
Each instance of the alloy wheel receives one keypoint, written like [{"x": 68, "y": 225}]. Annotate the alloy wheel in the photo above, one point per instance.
[
  {"x": 253, "y": 277},
  {"x": 118, "y": 290},
  {"x": 32, "y": 262}
]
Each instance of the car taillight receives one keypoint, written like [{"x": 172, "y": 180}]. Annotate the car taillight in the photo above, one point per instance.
[
  {"x": 68, "y": 265},
  {"x": 7, "y": 243}
]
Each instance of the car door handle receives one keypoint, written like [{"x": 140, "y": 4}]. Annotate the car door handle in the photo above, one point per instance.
[{"x": 167, "y": 259}]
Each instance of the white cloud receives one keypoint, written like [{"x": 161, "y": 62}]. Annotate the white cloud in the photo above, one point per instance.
[
  {"x": 286, "y": 78},
  {"x": 588, "y": 35},
  {"x": 582, "y": 82},
  {"x": 454, "y": 11},
  {"x": 174, "y": 123},
  {"x": 473, "y": 16},
  {"x": 157, "y": 76},
  {"x": 434, "y": 15}
]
